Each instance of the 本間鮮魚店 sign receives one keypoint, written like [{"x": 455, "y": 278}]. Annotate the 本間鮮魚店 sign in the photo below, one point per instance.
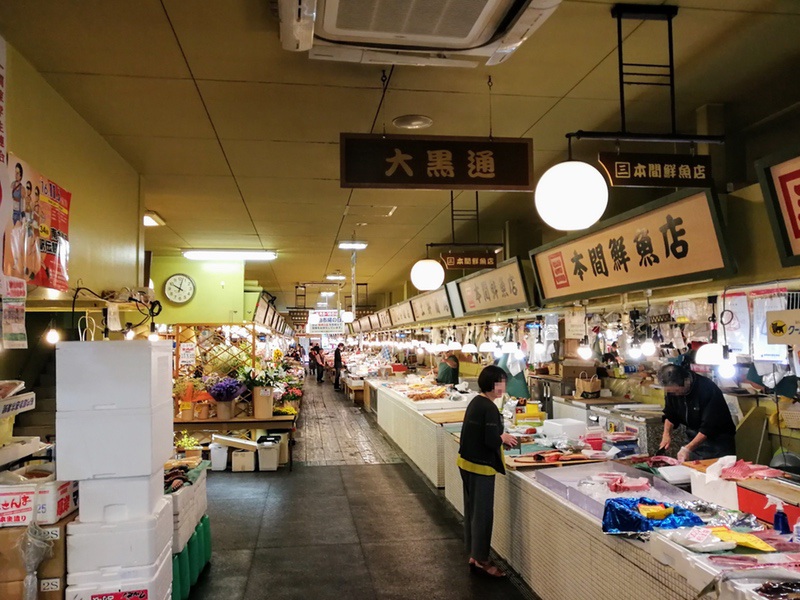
[
  {"x": 436, "y": 162},
  {"x": 637, "y": 169},
  {"x": 674, "y": 240},
  {"x": 470, "y": 259}
]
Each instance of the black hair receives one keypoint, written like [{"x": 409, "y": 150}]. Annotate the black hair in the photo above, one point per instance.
[
  {"x": 489, "y": 377},
  {"x": 341, "y": 345},
  {"x": 21, "y": 171},
  {"x": 670, "y": 375}
]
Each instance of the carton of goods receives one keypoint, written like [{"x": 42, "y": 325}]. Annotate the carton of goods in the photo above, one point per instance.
[
  {"x": 12, "y": 568},
  {"x": 36, "y": 485},
  {"x": 244, "y": 460},
  {"x": 50, "y": 588}
]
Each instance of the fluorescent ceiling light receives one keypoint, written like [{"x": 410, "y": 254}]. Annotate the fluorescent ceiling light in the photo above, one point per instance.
[
  {"x": 251, "y": 255},
  {"x": 352, "y": 245},
  {"x": 322, "y": 304},
  {"x": 152, "y": 219},
  {"x": 336, "y": 277},
  {"x": 327, "y": 294}
]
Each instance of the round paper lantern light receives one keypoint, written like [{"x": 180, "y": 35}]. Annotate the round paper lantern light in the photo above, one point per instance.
[
  {"x": 427, "y": 274},
  {"x": 571, "y": 195},
  {"x": 348, "y": 317}
]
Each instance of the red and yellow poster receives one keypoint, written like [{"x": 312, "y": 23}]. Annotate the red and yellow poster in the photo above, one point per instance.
[{"x": 36, "y": 247}]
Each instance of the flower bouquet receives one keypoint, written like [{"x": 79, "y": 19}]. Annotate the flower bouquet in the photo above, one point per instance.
[
  {"x": 225, "y": 392},
  {"x": 191, "y": 398}
]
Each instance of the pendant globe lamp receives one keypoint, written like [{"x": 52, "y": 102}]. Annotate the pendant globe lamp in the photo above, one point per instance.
[
  {"x": 427, "y": 274},
  {"x": 571, "y": 195}
]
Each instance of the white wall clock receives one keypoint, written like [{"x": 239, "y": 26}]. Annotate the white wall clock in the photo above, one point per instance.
[{"x": 179, "y": 288}]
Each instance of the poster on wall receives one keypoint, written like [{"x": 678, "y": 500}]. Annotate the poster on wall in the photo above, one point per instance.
[
  {"x": 36, "y": 245},
  {"x": 325, "y": 321},
  {"x": 779, "y": 176},
  {"x": 766, "y": 301},
  {"x": 5, "y": 182},
  {"x": 15, "y": 336}
]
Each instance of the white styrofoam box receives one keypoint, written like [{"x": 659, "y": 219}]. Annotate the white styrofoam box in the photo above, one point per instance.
[
  {"x": 182, "y": 499},
  {"x": 219, "y": 457},
  {"x": 268, "y": 457},
  {"x": 243, "y": 460},
  {"x": 96, "y": 444},
  {"x": 53, "y": 500},
  {"x": 135, "y": 543},
  {"x": 201, "y": 497},
  {"x": 151, "y": 581},
  {"x": 182, "y": 531},
  {"x": 113, "y": 375},
  {"x": 722, "y": 492},
  {"x": 572, "y": 428},
  {"x": 120, "y": 499}
]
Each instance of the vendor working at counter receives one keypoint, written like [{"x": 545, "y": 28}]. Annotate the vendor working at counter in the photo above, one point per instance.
[
  {"x": 696, "y": 402},
  {"x": 448, "y": 368}
]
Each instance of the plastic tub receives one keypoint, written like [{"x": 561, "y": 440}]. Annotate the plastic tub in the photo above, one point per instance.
[
  {"x": 219, "y": 457},
  {"x": 268, "y": 456}
]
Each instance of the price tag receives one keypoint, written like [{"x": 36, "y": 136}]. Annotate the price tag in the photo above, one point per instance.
[
  {"x": 698, "y": 535},
  {"x": 49, "y": 585}
]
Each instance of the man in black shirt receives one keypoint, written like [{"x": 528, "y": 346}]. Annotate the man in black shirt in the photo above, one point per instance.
[
  {"x": 696, "y": 402},
  {"x": 337, "y": 366}
]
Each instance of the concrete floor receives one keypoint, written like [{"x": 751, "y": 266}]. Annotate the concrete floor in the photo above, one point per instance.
[{"x": 346, "y": 531}]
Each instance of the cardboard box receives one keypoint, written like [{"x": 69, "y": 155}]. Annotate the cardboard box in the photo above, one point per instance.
[
  {"x": 11, "y": 567},
  {"x": 49, "y": 589},
  {"x": 244, "y": 460},
  {"x": 571, "y": 372},
  {"x": 55, "y": 500}
]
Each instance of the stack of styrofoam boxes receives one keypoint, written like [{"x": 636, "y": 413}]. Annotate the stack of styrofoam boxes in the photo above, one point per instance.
[
  {"x": 113, "y": 434},
  {"x": 189, "y": 504}
]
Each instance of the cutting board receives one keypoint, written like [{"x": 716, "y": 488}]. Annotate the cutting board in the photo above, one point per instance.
[
  {"x": 449, "y": 416},
  {"x": 514, "y": 463},
  {"x": 589, "y": 402}
]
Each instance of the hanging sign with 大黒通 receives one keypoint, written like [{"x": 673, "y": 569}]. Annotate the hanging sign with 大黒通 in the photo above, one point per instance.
[
  {"x": 636, "y": 169},
  {"x": 401, "y": 314},
  {"x": 435, "y": 162},
  {"x": 433, "y": 305},
  {"x": 779, "y": 176},
  {"x": 470, "y": 259},
  {"x": 500, "y": 289},
  {"x": 674, "y": 240}
]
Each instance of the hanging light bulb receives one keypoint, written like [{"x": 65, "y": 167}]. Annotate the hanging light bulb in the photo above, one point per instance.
[
  {"x": 153, "y": 336},
  {"x": 420, "y": 351},
  {"x": 635, "y": 350},
  {"x": 584, "y": 350},
  {"x": 487, "y": 347},
  {"x": 427, "y": 274},
  {"x": 727, "y": 369},
  {"x": 497, "y": 353},
  {"x": 440, "y": 347},
  {"x": 709, "y": 354},
  {"x": 509, "y": 348},
  {"x": 648, "y": 347},
  {"x": 129, "y": 332},
  {"x": 571, "y": 195},
  {"x": 469, "y": 348},
  {"x": 454, "y": 345},
  {"x": 52, "y": 336},
  {"x": 348, "y": 317}
]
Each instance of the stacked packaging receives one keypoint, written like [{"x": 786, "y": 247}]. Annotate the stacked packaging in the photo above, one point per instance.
[{"x": 114, "y": 433}]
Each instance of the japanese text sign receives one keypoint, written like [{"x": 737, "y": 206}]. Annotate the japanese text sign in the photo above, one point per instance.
[
  {"x": 260, "y": 314},
  {"x": 364, "y": 324},
  {"x": 783, "y": 327},
  {"x": 779, "y": 176},
  {"x": 356, "y": 326},
  {"x": 298, "y": 316},
  {"x": 500, "y": 289},
  {"x": 269, "y": 315},
  {"x": 5, "y": 180},
  {"x": 401, "y": 313},
  {"x": 374, "y": 323},
  {"x": 188, "y": 354},
  {"x": 328, "y": 322},
  {"x": 436, "y": 162},
  {"x": 384, "y": 319},
  {"x": 470, "y": 259},
  {"x": 673, "y": 240},
  {"x": 133, "y": 595},
  {"x": 631, "y": 169},
  {"x": 433, "y": 305}
]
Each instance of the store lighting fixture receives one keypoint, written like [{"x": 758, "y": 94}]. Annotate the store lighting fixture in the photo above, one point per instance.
[
  {"x": 129, "y": 333},
  {"x": 352, "y": 245},
  {"x": 412, "y": 122},
  {"x": 454, "y": 345},
  {"x": 437, "y": 348},
  {"x": 498, "y": 353},
  {"x": 508, "y": 347},
  {"x": 635, "y": 350},
  {"x": 712, "y": 353},
  {"x": 648, "y": 347},
  {"x": 52, "y": 336},
  {"x": 488, "y": 347},
  {"x": 348, "y": 316},
  {"x": 584, "y": 349},
  {"x": 327, "y": 294},
  {"x": 221, "y": 255},
  {"x": 571, "y": 195},
  {"x": 335, "y": 277},
  {"x": 427, "y": 274},
  {"x": 152, "y": 219},
  {"x": 153, "y": 336},
  {"x": 469, "y": 348},
  {"x": 727, "y": 369}
]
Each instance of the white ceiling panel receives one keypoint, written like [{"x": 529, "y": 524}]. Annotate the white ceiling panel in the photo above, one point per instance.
[
  {"x": 171, "y": 156},
  {"x": 283, "y": 159}
]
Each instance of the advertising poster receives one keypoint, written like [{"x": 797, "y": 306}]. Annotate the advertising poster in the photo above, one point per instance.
[
  {"x": 36, "y": 247},
  {"x": 5, "y": 183}
]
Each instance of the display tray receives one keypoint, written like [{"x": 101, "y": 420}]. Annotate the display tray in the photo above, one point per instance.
[
  {"x": 564, "y": 482},
  {"x": 450, "y": 416}
]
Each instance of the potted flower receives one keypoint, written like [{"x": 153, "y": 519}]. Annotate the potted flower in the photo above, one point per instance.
[
  {"x": 261, "y": 383},
  {"x": 291, "y": 397},
  {"x": 224, "y": 393},
  {"x": 189, "y": 445}
]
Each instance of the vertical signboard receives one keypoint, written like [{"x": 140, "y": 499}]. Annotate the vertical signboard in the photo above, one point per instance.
[{"x": 779, "y": 176}]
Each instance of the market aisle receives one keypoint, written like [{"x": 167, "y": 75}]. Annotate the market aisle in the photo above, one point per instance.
[
  {"x": 362, "y": 531},
  {"x": 332, "y": 431}
]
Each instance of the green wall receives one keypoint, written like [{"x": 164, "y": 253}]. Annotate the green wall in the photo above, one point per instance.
[{"x": 219, "y": 296}]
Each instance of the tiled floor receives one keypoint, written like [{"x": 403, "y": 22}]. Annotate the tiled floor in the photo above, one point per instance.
[{"x": 367, "y": 531}]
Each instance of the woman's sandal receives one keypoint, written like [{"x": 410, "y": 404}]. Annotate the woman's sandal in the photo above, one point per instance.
[{"x": 484, "y": 569}]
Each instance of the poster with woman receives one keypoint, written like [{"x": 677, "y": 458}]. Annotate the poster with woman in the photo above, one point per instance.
[{"x": 36, "y": 246}]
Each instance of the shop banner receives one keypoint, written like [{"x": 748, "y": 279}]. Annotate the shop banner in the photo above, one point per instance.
[
  {"x": 574, "y": 325},
  {"x": 469, "y": 259},
  {"x": 261, "y": 311},
  {"x": 384, "y": 319},
  {"x": 374, "y": 322},
  {"x": 637, "y": 169},
  {"x": 325, "y": 321},
  {"x": 502, "y": 288},
  {"x": 435, "y": 162},
  {"x": 36, "y": 245},
  {"x": 783, "y": 327},
  {"x": 269, "y": 316},
  {"x": 15, "y": 337},
  {"x": 364, "y": 325},
  {"x": 401, "y": 314},
  {"x": 298, "y": 317},
  {"x": 779, "y": 176},
  {"x": 674, "y": 240},
  {"x": 433, "y": 305},
  {"x": 5, "y": 182},
  {"x": 355, "y": 326}
]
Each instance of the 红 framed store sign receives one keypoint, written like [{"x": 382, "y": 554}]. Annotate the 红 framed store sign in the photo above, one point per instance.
[
  {"x": 779, "y": 176},
  {"x": 502, "y": 288},
  {"x": 433, "y": 305},
  {"x": 673, "y": 240},
  {"x": 435, "y": 162}
]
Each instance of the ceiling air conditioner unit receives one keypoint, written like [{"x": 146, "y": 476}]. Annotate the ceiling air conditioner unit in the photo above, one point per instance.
[{"x": 449, "y": 33}]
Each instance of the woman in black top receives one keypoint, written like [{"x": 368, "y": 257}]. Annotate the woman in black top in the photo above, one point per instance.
[{"x": 480, "y": 457}]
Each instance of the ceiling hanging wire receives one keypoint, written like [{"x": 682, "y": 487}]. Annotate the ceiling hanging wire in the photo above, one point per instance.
[{"x": 489, "y": 85}]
